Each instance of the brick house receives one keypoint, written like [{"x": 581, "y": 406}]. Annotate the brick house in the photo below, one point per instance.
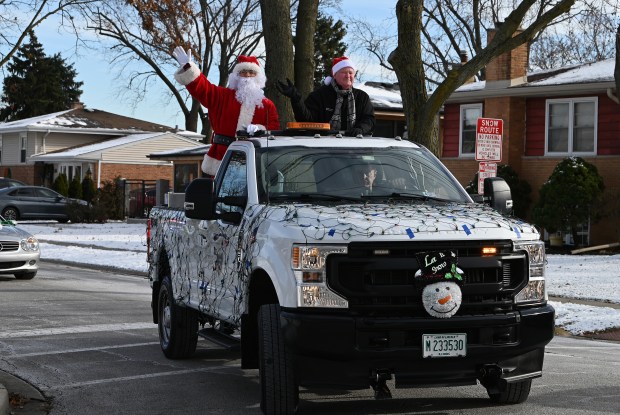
[
  {"x": 36, "y": 150},
  {"x": 548, "y": 116}
]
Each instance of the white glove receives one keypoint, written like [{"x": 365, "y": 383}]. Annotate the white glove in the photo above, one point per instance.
[
  {"x": 253, "y": 128},
  {"x": 181, "y": 56}
]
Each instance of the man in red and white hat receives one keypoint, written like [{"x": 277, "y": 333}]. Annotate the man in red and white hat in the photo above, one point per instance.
[
  {"x": 345, "y": 108},
  {"x": 240, "y": 107}
]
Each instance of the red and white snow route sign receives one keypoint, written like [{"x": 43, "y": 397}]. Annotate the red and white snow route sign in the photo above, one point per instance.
[{"x": 489, "y": 139}]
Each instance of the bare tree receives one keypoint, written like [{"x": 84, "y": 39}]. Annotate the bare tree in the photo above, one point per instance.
[
  {"x": 451, "y": 28},
  {"x": 420, "y": 109},
  {"x": 18, "y": 17},
  {"x": 144, "y": 33},
  {"x": 277, "y": 30}
]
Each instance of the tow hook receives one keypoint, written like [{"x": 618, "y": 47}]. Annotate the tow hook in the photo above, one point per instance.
[{"x": 377, "y": 381}]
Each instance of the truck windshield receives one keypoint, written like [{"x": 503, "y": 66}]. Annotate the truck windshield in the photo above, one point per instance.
[{"x": 310, "y": 173}]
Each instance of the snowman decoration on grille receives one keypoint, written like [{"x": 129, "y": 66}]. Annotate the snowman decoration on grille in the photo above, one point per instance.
[{"x": 442, "y": 280}]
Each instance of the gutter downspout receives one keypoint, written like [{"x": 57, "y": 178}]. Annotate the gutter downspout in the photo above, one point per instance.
[
  {"x": 43, "y": 141},
  {"x": 612, "y": 96},
  {"x": 98, "y": 173}
]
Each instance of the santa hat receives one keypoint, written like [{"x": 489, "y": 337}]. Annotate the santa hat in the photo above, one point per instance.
[
  {"x": 338, "y": 64},
  {"x": 248, "y": 63}
]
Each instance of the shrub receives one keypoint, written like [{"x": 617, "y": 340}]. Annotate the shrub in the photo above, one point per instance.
[
  {"x": 89, "y": 190},
  {"x": 61, "y": 185},
  {"x": 568, "y": 196},
  {"x": 75, "y": 188},
  {"x": 519, "y": 189},
  {"x": 110, "y": 199}
]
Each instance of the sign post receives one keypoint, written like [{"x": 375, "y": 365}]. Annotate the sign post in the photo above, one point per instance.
[{"x": 489, "y": 133}]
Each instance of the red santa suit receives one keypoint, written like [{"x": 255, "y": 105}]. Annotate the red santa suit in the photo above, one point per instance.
[{"x": 226, "y": 113}]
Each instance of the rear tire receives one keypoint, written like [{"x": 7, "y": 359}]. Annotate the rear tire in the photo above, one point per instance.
[
  {"x": 10, "y": 213},
  {"x": 178, "y": 326},
  {"x": 279, "y": 391},
  {"x": 25, "y": 275},
  {"x": 514, "y": 393}
]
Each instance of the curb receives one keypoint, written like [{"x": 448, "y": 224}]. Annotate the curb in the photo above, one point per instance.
[
  {"x": 28, "y": 400},
  {"x": 4, "y": 400}
]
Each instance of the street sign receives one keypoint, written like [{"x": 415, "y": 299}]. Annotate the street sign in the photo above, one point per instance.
[
  {"x": 485, "y": 170},
  {"x": 489, "y": 139}
]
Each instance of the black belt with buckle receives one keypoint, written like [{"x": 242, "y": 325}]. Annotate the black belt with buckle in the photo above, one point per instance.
[{"x": 222, "y": 139}]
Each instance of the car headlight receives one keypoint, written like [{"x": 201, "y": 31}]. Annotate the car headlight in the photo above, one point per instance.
[
  {"x": 535, "y": 291},
  {"x": 308, "y": 263},
  {"x": 30, "y": 244}
]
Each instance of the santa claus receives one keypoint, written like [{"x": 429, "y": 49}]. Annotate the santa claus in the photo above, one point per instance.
[{"x": 240, "y": 107}]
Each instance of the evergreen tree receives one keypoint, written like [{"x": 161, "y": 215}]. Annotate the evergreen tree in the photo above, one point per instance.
[
  {"x": 37, "y": 84},
  {"x": 328, "y": 45},
  {"x": 75, "y": 188},
  {"x": 89, "y": 190},
  {"x": 61, "y": 184},
  {"x": 569, "y": 197}
]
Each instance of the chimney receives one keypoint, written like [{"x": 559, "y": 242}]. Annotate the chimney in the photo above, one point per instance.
[
  {"x": 464, "y": 59},
  {"x": 509, "y": 68},
  {"x": 77, "y": 105},
  {"x": 463, "y": 56}
]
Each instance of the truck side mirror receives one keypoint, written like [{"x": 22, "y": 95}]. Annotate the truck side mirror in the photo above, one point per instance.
[
  {"x": 199, "y": 202},
  {"x": 497, "y": 193}
]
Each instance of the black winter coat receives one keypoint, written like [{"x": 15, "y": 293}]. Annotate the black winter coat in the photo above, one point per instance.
[{"x": 320, "y": 103}]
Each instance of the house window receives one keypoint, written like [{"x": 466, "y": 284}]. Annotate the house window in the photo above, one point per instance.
[
  {"x": 571, "y": 126},
  {"x": 71, "y": 170},
  {"x": 468, "y": 124},
  {"x": 24, "y": 145}
]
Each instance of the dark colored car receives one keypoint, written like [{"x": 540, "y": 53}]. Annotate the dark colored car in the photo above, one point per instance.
[
  {"x": 7, "y": 182},
  {"x": 34, "y": 202}
]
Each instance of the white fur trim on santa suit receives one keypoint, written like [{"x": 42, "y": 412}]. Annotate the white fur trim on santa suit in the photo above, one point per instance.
[
  {"x": 245, "y": 116},
  {"x": 210, "y": 165},
  {"x": 248, "y": 66},
  {"x": 186, "y": 76}
]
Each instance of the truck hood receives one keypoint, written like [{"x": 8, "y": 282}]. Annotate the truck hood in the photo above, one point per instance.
[{"x": 402, "y": 221}]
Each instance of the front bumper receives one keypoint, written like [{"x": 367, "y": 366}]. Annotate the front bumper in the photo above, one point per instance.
[
  {"x": 19, "y": 261},
  {"x": 348, "y": 351}
]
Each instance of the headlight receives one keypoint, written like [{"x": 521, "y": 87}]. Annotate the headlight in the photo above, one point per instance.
[
  {"x": 308, "y": 263},
  {"x": 535, "y": 291},
  {"x": 30, "y": 244}
]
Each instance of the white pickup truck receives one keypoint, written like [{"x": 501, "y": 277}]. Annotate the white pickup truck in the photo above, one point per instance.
[{"x": 348, "y": 262}]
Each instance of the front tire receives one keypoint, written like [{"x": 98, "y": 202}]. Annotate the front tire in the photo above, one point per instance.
[
  {"x": 10, "y": 213},
  {"x": 178, "y": 326},
  {"x": 514, "y": 393},
  {"x": 279, "y": 391}
]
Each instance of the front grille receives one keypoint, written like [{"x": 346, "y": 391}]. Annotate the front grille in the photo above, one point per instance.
[
  {"x": 10, "y": 265},
  {"x": 379, "y": 277},
  {"x": 9, "y": 246}
]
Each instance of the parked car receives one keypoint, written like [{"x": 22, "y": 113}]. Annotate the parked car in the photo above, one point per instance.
[
  {"x": 19, "y": 251},
  {"x": 34, "y": 202},
  {"x": 7, "y": 182}
]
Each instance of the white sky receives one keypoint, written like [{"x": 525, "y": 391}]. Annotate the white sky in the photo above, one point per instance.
[{"x": 586, "y": 277}]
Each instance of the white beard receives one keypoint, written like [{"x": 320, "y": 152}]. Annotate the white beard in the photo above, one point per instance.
[{"x": 249, "y": 93}]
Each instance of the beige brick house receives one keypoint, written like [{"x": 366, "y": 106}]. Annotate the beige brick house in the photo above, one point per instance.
[{"x": 36, "y": 150}]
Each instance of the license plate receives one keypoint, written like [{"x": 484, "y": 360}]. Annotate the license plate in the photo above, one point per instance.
[{"x": 444, "y": 345}]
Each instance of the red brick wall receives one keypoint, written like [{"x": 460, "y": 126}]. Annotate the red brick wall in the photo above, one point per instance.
[
  {"x": 109, "y": 172},
  {"x": 536, "y": 171},
  {"x": 27, "y": 173}
]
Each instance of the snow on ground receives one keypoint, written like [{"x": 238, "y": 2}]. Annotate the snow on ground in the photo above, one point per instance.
[{"x": 583, "y": 277}]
